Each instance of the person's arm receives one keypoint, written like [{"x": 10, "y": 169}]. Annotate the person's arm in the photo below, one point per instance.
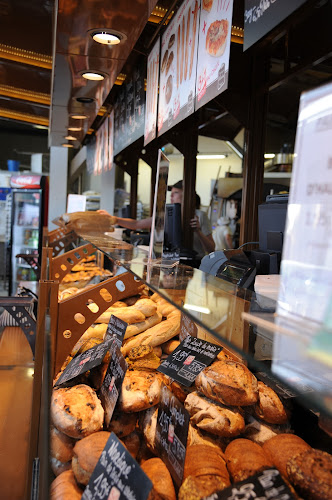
[
  {"x": 130, "y": 223},
  {"x": 206, "y": 240}
]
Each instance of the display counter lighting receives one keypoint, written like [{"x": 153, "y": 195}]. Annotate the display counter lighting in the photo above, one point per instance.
[{"x": 210, "y": 157}]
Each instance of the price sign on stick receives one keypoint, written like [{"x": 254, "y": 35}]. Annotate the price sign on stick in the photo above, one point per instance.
[{"x": 116, "y": 329}]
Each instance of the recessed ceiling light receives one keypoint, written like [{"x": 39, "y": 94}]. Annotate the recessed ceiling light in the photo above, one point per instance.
[
  {"x": 107, "y": 36},
  {"x": 70, "y": 138},
  {"x": 74, "y": 129},
  {"x": 269, "y": 155},
  {"x": 85, "y": 100},
  {"x": 67, "y": 145},
  {"x": 210, "y": 157},
  {"x": 78, "y": 117},
  {"x": 93, "y": 75}
]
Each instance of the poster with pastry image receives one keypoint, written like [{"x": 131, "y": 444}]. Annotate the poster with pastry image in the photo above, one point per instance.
[
  {"x": 152, "y": 82},
  {"x": 213, "y": 50},
  {"x": 178, "y": 66}
]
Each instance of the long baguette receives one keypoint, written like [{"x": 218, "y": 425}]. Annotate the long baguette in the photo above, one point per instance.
[
  {"x": 128, "y": 314},
  {"x": 154, "y": 336},
  {"x": 142, "y": 326},
  {"x": 193, "y": 40}
]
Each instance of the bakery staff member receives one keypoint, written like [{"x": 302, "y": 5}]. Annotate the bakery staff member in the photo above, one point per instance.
[
  {"x": 203, "y": 241},
  {"x": 222, "y": 234}
]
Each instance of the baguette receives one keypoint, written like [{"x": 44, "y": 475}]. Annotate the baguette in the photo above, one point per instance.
[
  {"x": 154, "y": 336},
  {"x": 128, "y": 314},
  {"x": 142, "y": 326}
]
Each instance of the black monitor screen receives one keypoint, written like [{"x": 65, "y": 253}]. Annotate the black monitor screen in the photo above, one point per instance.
[
  {"x": 271, "y": 222},
  {"x": 172, "y": 236}
]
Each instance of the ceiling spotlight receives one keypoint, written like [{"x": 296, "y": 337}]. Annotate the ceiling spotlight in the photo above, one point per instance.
[
  {"x": 269, "y": 156},
  {"x": 78, "y": 117},
  {"x": 92, "y": 75},
  {"x": 85, "y": 100},
  {"x": 74, "y": 129},
  {"x": 210, "y": 157},
  {"x": 67, "y": 145},
  {"x": 70, "y": 138},
  {"x": 107, "y": 36}
]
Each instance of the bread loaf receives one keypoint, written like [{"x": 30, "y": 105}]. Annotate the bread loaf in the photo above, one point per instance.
[
  {"x": 87, "y": 452},
  {"x": 259, "y": 432},
  {"x": 154, "y": 336},
  {"x": 245, "y": 458},
  {"x": 122, "y": 424},
  {"x": 140, "y": 327},
  {"x": 161, "y": 479},
  {"x": 61, "y": 446},
  {"x": 228, "y": 382},
  {"x": 170, "y": 346},
  {"x": 197, "y": 488},
  {"x": 76, "y": 411},
  {"x": 64, "y": 487},
  {"x": 202, "y": 460},
  {"x": 132, "y": 442},
  {"x": 141, "y": 389},
  {"x": 128, "y": 314},
  {"x": 59, "y": 467},
  {"x": 195, "y": 436},
  {"x": 214, "y": 417},
  {"x": 147, "y": 425},
  {"x": 269, "y": 407},
  {"x": 280, "y": 449}
]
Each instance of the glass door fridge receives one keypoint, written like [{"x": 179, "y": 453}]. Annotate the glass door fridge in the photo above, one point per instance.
[{"x": 26, "y": 234}]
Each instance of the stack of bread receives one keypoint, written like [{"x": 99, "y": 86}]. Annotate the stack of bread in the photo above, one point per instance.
[
  {"x": 238, "y": 425},
  {"x": 82, "y": 273}
]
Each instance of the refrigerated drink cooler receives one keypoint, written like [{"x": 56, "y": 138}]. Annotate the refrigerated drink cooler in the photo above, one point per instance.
[{"x": 28, "y": 217}]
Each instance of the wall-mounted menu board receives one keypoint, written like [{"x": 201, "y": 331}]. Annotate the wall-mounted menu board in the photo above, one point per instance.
[
  {"x": 152, "y": 82},
  {"x": 261, "y": 17},
  {"x": 129, "y": 112},
  {"x": 213, "y": 49},
  {"x": 178, "y": 66}
]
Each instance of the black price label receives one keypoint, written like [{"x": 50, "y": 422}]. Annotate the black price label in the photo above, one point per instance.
[
  {"x": 84, "y": 362},
  {"x": 171, "y": 433},
  {"x": 117, "y": 476},
  {"x": 111, "y": 387},
  {"x": 267, "y": 485},
  {"x": 187, "y": 327},
  {"x": 116, "y": 329},
  {"x": 188, "y": 360}
]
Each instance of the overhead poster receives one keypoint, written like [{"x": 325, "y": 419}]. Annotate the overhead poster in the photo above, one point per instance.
[
  {"x": 213, "y": 49},
  {"x": 152, "y": 83},
  {"x": 110, "y": 140},
  {"x": 178, "y": 67}
]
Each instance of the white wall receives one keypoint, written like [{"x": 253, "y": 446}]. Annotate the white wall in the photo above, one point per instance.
[{"x": 58, "y": 184}]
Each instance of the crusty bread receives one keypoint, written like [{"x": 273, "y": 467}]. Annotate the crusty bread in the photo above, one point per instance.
[
  {"x": 181, "y": 391},
  {"x": 154, "y": 336},
  {"x": 87, "y": 452},
  {"x": 161, "y": 479},
  {"x": 65, "y": 487},
  {"x": 59, "y": 467},
  {"x": 122, "y": 424},
  {"x": 214, "y": 417},
  {"x": 202, "y": 460},
  {"x": 280, "y": 449},
  {"x": 147, "y": 425},
  {"x": 269, "y": 407},
  {"x": 61, "y": 446},
  {"x": 245, "y": 458},
  {"x": 195, "y": 436},
  {"x": 197, "y": 488},
  {"x": 141, "y": 389},
  {"x": 228, "y": 382},
  {"x": 76, "y": 411},
  {"x": 142, "y": 326},
  {"x": 128, "y": 314},
  {"x": 132, "y": 442},
  {"x": 147, "y": 306},
  {"x": 259, "y": 431},
  {"x": 170, "y": 346}
]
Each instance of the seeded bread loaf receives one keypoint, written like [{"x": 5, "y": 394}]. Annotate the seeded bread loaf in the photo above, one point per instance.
[
  {"x": 280, "y": 449},
  {"x": 245, "y": 458},
  {"x": 141, "y": 389}
]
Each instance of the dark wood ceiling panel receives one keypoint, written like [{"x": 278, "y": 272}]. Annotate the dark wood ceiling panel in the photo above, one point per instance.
[{"x": 23, "y": 76}]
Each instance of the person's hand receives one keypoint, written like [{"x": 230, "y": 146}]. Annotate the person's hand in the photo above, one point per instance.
[
  {"x": 102, "y": 212},
  {"x": 194, "y": 223}
]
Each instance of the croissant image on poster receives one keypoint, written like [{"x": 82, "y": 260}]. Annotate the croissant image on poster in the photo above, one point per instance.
[
  {"x": 213, "y": 49},
  {"x": 178, "y": 66}
]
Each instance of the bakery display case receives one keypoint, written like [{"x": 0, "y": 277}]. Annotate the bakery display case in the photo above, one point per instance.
[{"x": 238, "y": 410}]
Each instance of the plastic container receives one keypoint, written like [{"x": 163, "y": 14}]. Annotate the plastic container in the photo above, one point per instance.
[{"x": 13, "y": 165}]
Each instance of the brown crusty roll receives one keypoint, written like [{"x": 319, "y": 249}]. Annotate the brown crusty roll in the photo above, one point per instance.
[
  {"x": 214, "y": 417},
  {"x": 245, "y": 458},
  {"x": 197, "y": 488},
  {"x": 310, "y": 473},
  {"x": 65, "y": 487},
  {"x": 280, "y": 449},
  {"x": 203, "y": 460},
  {"x": 142, "y": 326},
  {"x": 61, "y": 446},
  {"x": 180, "y": 391},
  {"x": 140, "y": 390},
  {"x": 122, "y": 424},
  {"x": 158, "y": 334},
  {"x": 147, "y": 424},
  {"x": 269, "y": 407},
  {"x": 161, "y": 479},
  {"x": 76, "y": 411},
  {"x": 132, "y": 442},
  {"x": 87, "y": 452},
  {"x": 195, "y": 436},
  {"x": 59, "y": 467},
  {"x": 170, "y": 346},
  {"x": 229, "y": 383},
  {"x": 259, "y": 431}
]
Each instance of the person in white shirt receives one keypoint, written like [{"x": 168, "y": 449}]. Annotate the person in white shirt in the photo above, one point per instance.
[{"x": 222, "y": 234}]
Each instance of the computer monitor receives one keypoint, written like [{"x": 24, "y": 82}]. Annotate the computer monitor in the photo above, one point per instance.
[
  {"x": 271, "y": 223},
  {"x": 172, "y": 234}
]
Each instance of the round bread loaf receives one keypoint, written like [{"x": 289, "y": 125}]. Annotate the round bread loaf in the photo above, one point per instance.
[
  {"x": 245, "y": 458},
  {"x": 61, "y": 445},
  {"x": 170, "y": 346},
  {"x": 87, "y": 452},
  {"x": 196, "y": 488},
  {"x": 228, "y": 382},
  {"x": 59, "y": 467},
  {"x": 213, "y": 417},
  {"x": 269, "y": 407},
  {"x": 311, "y": 474},
  {"x": 280, "y": 449},
  {"x": 76, "y": 411},
  {"x": 141, "y": 389},
  {"x": 64, "y": 486},
  {"x": 161, "y": 479},
  {"x": 202, "y": 460},
  {"x": 132, "y": 442},
  {"x": 122, "y": 424},
  {"x": 180, "y": 391},
  {"x": 148, "y": 424},
  {"x": 196, "y": 436}
]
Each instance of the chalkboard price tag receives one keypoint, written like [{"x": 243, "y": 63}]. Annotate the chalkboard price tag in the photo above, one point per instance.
[
  {"x": 187, "y": 327},
  {"x": 171, "y": 433},
  {"x": 84, "y": 362},
  {"x": 110, "y": 390},
  {"x": 189, "y": 359},
  {"x": 267, "y": 485},
  {"x": 116, "y": 329},
  {"x": 117, "y": 476}
]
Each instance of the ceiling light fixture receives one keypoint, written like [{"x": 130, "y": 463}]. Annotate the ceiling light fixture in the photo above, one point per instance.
[
  {"x": 85, "y": 100},
  {"x": 106, "y": 36},
  {"x": 74, "y": 129},
  {"x": 93, "y": 75},
  {"x": 210, "y": 157},
  {"x": 269, "y": 156},
  {"x": 78, "y": 117},
  {"x": 70, "y": 138},
  {"x": 67, "y": 145}
]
